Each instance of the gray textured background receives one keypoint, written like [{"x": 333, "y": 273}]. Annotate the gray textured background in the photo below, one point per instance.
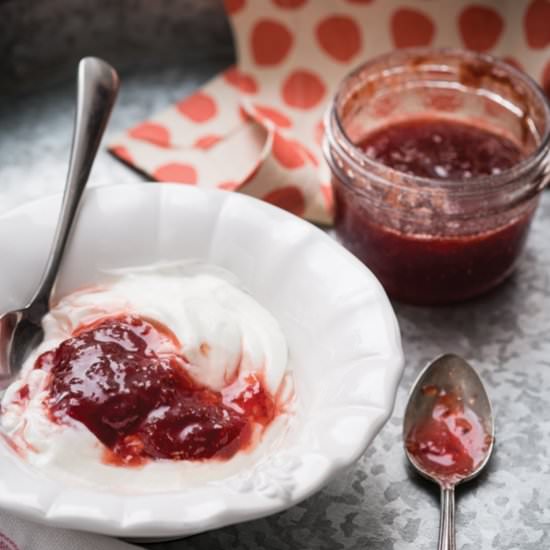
[{"x": 378, "y": 504}]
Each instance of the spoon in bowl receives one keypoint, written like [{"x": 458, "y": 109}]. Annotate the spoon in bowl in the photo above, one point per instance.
[
  {"x": 448, "y": 431},
  {"x": 21, "y": 330}
]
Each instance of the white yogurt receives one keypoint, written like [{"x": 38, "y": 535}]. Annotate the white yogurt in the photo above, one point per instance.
[{"x": 200, "y": 304}]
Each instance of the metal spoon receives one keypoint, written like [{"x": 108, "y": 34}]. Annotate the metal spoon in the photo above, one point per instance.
[
  {"x": 452, "y": 374},
  {"x": 21, "y": 330}
]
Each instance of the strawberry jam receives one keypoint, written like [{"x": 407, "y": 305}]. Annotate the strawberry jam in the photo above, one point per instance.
[
  {"x": 451, "y": 442},
  {"x": 418, "y": 252},
  {"x": 125, "y": 379},
  {"x": 441, "y": 149},
  {"x": 438, "y": 158}
]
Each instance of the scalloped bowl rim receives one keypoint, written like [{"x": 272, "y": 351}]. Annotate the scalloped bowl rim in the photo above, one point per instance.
[{"x": 145, "y": 516}]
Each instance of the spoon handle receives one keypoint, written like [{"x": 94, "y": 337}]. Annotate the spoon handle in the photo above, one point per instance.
[
  {"x": 97, "y": 89},
  {"x": 447, "y": 539}
]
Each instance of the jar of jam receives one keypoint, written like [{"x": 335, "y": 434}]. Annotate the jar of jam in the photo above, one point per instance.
[{"x": 438, "y": 158}]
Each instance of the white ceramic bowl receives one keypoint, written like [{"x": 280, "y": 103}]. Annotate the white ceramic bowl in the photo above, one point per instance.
[{"x": 341, "y": 330}]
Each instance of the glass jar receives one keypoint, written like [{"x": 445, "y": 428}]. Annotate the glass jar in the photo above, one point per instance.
[{"x": 434, "y": 241}]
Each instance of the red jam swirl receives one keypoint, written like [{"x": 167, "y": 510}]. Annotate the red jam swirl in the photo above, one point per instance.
[
  {"x": 141, "y": 403},
  {"x": 431, "y": 267},
  {"x": 451, "y": 442}
]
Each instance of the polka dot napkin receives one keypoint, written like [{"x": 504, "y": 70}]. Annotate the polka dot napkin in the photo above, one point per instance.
[{"x": 257, "y": 128}]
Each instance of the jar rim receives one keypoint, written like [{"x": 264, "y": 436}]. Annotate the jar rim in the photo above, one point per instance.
[{"x": 477, "y": 185}]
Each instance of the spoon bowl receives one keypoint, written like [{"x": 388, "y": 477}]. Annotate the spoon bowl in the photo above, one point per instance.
[
  {"x": 445, "y": 381},
  {"x": 19, "y": 334},
  {"x": 450, "y": 374}
]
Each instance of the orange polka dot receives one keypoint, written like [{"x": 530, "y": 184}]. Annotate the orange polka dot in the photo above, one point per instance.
[
  {"x": 287, "y": 152},
  {"x": 442, "y": 100},
  {"x": 273, "y": 115},
  {"x": 410, "y": 28},
  {"x": 151, "y": 132},
  {"x": 229, "y": 185},
  {"x": 303, "y": 90},
  {"x": 177, "y": 172},
  {"x": 233, "y": 6},
  {"x": 289, "y": 198},
  {"x": 244, "y": 82},
  {"x": 270, "y": 42},
  {"x": 290, "y": 4},
  {"x": 198, "y": 107},
  {"x": 537, "y": 29},
  {"x": 545, "y": 79},
  {"x": 307, "y": 153},
  {"x": 319, "y": 132},
  {"x": 122, "y": 153},
  {"x": 205, "y": 142},
  {"x": 330, "y": 32},
  {"x": 480, "y": 27}
]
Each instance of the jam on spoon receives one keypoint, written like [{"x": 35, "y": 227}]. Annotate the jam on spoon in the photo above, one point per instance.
[
  {"x": 118, "y": 379},
  {"x": 448, "y": 431},
  {"x": 451, "y": 441}
]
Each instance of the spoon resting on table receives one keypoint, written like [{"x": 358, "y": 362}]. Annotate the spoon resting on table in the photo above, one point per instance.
[
  {"x": 448, "y": 431},
  {"x": 21, "y": 330}
]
